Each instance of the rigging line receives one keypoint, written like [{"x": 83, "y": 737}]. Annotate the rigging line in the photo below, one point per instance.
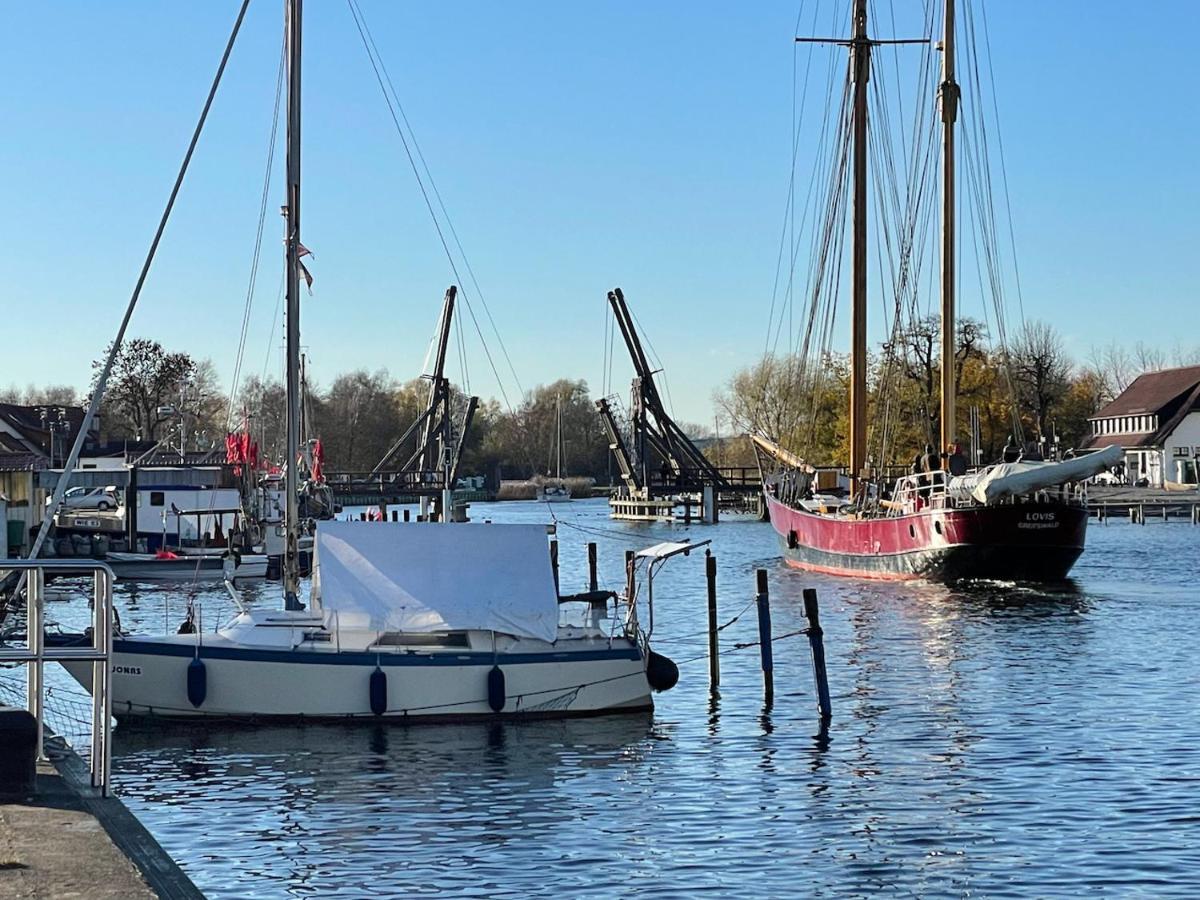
[
  {"x": 789, "y": 206},
  {"x": 987, "y": 43},
  {"x": 428, "y": 203},
  {"x": 274, "y": 325},
  {"x": 98, "y": 392},
  {"x": 257, "y": 256},
  {"x": 437, "y": 194}
]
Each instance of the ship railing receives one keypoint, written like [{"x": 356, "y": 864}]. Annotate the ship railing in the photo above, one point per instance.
[
  {"x": 914, "y": 493},
  {"x": 36, "y": 654}
]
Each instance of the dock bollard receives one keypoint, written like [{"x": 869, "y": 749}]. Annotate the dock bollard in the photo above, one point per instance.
[
  {"x": 763, "y": 601},
  {"x": 714, "y": 659},
  {"x": 816, "y": 643},
  {"x": 593, "y": 581}
]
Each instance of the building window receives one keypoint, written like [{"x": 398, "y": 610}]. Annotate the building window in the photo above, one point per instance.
[
  {"x": 1183, "y": 452},
  {"x": 158, "y": 498}
]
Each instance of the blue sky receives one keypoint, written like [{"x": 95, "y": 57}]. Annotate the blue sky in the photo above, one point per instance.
[{"x": 577, "y": 147}]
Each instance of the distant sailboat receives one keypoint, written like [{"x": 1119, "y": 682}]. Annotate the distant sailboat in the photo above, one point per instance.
[{"x": 556, "y": 492}]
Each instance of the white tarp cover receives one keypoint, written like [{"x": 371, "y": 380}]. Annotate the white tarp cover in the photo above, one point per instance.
[
  {"x": 1012, "y": 479},
  {"x": 426, "y": 577}
]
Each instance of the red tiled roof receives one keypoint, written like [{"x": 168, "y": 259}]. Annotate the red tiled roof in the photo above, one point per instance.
[
  {"x": 1151, "y": 392},
  {"x": 1129, "y": 441}
]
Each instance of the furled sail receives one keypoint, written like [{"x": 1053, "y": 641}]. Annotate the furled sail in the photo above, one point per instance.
[{"x": 995, "y": 483}]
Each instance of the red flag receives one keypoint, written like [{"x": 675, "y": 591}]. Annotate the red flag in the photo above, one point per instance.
[{"x": 318, "y": 456}]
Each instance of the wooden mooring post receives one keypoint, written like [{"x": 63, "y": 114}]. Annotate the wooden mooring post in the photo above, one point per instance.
[
  {"x": 1195, "y": 514},
  {"x": 714, "y": 658},
  {"x": 763, "y": 602},
  {"x": 554, "y": 562},
  {"x": 593, "y": 580},
  {"x": 816, "y": 643},
  {"x": 406, "y": 514}
]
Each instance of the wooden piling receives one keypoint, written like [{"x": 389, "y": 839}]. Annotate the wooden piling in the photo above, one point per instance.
[
  {"x": 554, "y": 561},
  {"x": 1142, "y": 514},
  {"x": 816, "y": 643},
  {"x": 714, "y": 659},
  {"x": 406, "y": 514},
  {"x": 763, "y": 602},
  {"x": 1195, "y": 514},
  {"x": 1164, "y": 512},
  {"x": 629, "y": 560},
  {"x": 362, "y": 517},
  {"x": 395, "y": 515},
  {"x": 593, "y": 580}
]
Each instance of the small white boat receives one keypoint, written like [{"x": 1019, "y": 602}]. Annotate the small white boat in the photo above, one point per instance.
[
  {"x": 553, "y": 493},
  {"x": 406, "y": 621},
  {"x": 186, "y": 566}
]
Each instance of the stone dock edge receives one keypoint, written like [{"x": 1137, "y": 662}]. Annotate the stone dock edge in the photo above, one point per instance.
[{"x": 161, "y": 872}]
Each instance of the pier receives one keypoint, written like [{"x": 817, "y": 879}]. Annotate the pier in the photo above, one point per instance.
[{"x": 1139, "y": 505}]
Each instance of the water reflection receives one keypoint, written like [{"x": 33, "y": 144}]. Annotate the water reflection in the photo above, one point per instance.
[{"x": 988, "y": 738}]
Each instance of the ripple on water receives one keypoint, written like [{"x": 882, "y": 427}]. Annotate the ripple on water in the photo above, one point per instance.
[{"x": 999, "y": 740}]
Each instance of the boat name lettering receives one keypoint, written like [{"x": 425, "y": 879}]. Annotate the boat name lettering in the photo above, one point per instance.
[
  {"x": 126, "y": 670},
  {"x": 1040, "y": 517}
]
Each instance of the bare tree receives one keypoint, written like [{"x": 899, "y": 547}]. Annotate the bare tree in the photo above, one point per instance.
[{"x": 1042, "y": 371}]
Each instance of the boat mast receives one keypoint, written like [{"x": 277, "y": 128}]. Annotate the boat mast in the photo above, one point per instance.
[
  {"x": 558, "y": 438},
  {"x": 860, "y": 61},
  {"x": 948, "y": 93},
  {"x": 291, "y": 561}
]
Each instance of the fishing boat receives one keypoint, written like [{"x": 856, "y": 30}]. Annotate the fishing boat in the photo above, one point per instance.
[
  {"x": 556, "y": 491},
  {"x": 1023, "y": 519},
  {"x": 403, "y": 621}
]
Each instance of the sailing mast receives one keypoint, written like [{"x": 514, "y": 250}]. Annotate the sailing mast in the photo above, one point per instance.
[
  {"x": 948, "y": 93},
  {"x": 860, "y": 60},
  {"x": 291, "y": 561}
]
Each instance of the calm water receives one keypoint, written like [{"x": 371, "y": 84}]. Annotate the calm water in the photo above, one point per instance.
[{"x": 993, "y": 742}]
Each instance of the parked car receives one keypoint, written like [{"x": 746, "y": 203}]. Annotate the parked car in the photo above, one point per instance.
[{"x": 98, "y": 498}]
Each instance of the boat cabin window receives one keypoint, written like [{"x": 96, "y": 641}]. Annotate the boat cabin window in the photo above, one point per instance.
[
  {"x": 414, "y": 639},
  {"x": 158, "y": 498}
]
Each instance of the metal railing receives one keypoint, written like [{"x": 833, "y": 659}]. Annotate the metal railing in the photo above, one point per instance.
[{"x": 36, "y": 654}]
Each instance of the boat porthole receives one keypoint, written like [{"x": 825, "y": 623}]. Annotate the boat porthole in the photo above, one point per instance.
[
  {"x": 937, "y": 526},
  {"x": 912, "y": 531}
]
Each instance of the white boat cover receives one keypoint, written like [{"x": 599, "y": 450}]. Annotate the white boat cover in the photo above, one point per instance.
[
  {"x": 424, "y": 577},
  {"x": 993, "y": 484}
]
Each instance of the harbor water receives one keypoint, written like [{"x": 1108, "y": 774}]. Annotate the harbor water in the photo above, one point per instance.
[{"x": 998, "y": 740}]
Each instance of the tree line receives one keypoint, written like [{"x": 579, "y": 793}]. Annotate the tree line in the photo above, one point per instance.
[{"x": 1031, "y": 388}]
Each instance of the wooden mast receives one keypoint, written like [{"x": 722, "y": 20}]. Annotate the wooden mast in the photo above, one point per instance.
[
  {"x": 860, "y": 61},
  {"x": 291, "y": 560},
  {"x": 948, "y": 94}
]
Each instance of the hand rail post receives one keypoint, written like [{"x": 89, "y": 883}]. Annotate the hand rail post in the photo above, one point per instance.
[{"x": 34, "y": 641}]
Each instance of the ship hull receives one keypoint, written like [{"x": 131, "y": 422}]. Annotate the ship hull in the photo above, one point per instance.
[{"x": 1036, "y": 541}]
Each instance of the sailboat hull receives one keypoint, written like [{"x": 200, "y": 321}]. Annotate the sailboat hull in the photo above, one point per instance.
[
  {"x": 1036, "y": 541},
  {"x": 540, "y": 680}
]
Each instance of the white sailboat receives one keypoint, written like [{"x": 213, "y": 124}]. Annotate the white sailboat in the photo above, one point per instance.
[
  {"x": 404, "y": 621},
  {"x": 556, "y": 492}
]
